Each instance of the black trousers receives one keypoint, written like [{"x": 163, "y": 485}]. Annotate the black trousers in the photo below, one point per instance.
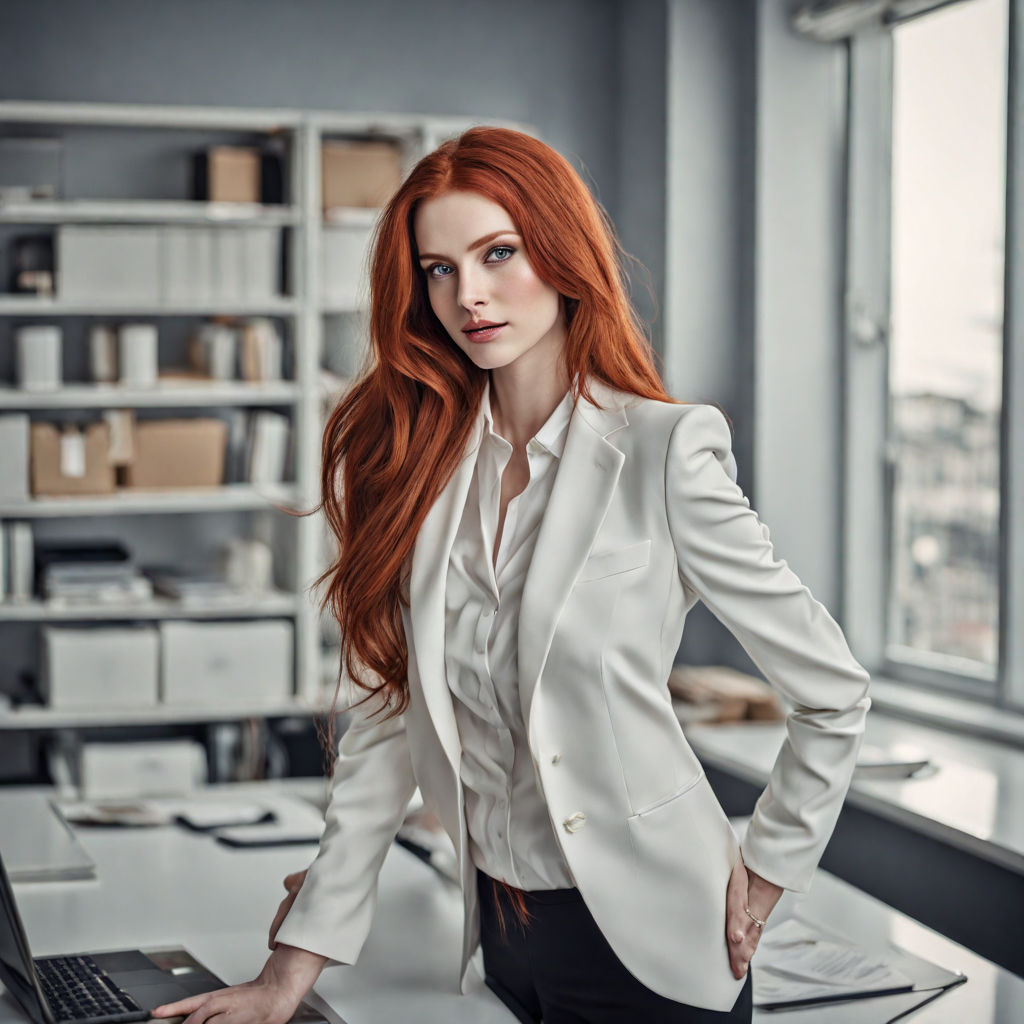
[{"x": 559, "y": 968}]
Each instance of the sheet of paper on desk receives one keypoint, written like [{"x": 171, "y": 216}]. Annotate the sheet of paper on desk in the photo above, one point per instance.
[
  {"x": 895, "y": 761},
  {"x": 797, "y": 963}
]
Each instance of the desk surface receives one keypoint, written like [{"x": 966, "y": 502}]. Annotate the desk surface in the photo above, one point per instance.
[{"x": 166, "y": 886}]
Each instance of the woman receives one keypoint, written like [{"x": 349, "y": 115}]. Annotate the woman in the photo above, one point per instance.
[{"x": 524, "y": 519}]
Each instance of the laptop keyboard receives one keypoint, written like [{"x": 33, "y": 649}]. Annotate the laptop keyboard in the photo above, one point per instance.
[{"x": 78, "y": 990}]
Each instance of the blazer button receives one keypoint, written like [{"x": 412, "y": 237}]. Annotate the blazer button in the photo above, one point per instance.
[
  {"x": 556, "y": 758},
  {"x": 574, "y": 822}
]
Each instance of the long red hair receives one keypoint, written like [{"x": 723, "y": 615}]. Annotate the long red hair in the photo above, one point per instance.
[{"x": 398, "y": 434}]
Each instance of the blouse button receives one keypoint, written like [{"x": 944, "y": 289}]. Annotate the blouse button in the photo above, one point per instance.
[{"x": 574, "y": 822}]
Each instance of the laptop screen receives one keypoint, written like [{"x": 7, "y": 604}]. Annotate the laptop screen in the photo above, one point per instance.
[{"x": 16, "y": 970}]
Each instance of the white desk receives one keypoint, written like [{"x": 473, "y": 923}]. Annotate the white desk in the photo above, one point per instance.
[{"x": 167, "y": 886}]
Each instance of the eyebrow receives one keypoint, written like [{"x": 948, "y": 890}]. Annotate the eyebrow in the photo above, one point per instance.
[{"x": 475, "y": 245}]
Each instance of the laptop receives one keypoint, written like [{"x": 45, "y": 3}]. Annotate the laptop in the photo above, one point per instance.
[{"x": 100, "y": 988}]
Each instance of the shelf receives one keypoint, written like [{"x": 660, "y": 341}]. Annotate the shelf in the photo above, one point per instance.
[
  {"x": 36, "y": 717},
  {"x": 144, "y": 211},
  {"x": 351, "y": 217},
  {"x": 145, "y": 115},
  {"x": 29, "y": 305},
  {"x": 228, "y": 498},
  {"x": 165, "y": 394},
  {"x": 277, "y": 604},
  {"x": 330, "y": 308}
]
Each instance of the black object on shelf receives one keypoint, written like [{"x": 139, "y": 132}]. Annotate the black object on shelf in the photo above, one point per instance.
[{"x": 32, "y": 269}]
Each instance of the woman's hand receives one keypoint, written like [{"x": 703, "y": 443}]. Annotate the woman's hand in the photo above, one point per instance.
[
  {"x": 271, "y": 998},
  {"x": 293, "y": 883},
  {"x": 746, "y": 889}
]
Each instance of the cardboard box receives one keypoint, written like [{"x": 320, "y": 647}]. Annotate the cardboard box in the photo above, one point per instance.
[
  {"x": 228, "y": 174},
  {"x": 99, "y": 667},
  {"x": 68, "y": 460},
  {"x": 359, "y": 173},
  {"x": 178, "y": 453},
  {"x": 224, "y": 663}
]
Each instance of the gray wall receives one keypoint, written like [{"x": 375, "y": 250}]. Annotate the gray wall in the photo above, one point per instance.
[
  {"x": 755, "y": 210},
  {"x": 549, "y": 64},
  {"x": 641, "y": 114},
  {"x": 798, "y": 296}
]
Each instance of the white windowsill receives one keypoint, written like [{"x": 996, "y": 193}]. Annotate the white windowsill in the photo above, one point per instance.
[{"x": 947, "y": 711}]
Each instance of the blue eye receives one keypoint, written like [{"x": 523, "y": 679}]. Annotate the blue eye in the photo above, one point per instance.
[
  {"x": 501, "y": 249},
  {"x": 432, "y": 271}
]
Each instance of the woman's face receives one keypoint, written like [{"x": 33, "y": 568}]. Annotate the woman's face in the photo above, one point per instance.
[{"x": 477, "y": 273}]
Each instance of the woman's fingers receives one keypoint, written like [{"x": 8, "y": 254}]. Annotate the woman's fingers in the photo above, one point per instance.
[
  {"x": 742, "y": 935},
  {"x": 293, "y": 882},
  {"x": 282, "y": 912},
  {"x": 211, "y": 1007},
  {"x": 180, "y": 1008},
  {"x": 251, "y": 1003}
]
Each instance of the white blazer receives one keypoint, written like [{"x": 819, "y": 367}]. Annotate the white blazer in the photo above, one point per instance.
[{"x": 644, "y": 520}]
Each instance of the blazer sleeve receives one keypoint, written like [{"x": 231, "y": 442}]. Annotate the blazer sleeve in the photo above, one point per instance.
[
  {"x": 372, "y": 785},
  {"x": 726, "y": 558}
]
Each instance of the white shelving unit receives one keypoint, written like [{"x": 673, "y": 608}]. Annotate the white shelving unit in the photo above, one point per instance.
[
  {"x": 22, "y": 306},
  {"x": 303, "y": 311},
  {"x": 227, "y": 498},
  {"x": 172, "y": 395},
  {"x": 276, "y": 604}
]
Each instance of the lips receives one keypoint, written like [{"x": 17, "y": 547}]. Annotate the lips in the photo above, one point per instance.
[{"x": 482, "y": 330}]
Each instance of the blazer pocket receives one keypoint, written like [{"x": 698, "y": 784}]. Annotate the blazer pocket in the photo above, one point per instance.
[
  {"x": 610, "y": 563},
  {"x": 666, "y": 800}
]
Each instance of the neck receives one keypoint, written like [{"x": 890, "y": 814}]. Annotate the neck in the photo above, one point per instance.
[{"x": 523, "y": 397}]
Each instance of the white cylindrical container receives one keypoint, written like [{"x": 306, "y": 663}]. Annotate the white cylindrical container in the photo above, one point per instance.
[
  {"x": 103, "y": 354},
  {"x": 137, "y": 348},
  {"x": 248, "y": 565},
  {"x": 39, "y": 357},
  {"x": 219, "y": 348}
]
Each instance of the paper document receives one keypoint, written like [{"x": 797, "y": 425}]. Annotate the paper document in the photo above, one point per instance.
[
  {"x": 893, "y": 761},
  {"x": 797, "y": 963}
]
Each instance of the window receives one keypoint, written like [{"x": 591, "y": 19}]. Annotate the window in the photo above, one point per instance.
[
  {"x": 949, "y": 89},
  {"x": 934, "y": 516}
]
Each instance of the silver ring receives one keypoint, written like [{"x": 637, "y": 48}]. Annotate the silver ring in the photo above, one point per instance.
[{"x": 754, "y": 918}]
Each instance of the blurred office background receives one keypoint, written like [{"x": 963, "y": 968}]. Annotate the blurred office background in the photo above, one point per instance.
[{"x": 823, "y": 202}]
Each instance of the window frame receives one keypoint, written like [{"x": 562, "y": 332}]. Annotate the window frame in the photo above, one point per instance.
[{"x": 868, "y": 449}]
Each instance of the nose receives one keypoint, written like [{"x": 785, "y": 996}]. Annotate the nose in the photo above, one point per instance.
[{"x": 472, "y": 288}]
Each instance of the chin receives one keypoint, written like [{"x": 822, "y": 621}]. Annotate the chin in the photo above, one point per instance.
[{"x": 487, "y": 357}]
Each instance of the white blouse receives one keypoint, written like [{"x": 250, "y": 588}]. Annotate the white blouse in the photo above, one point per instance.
[{"x": 510, "y": 834}]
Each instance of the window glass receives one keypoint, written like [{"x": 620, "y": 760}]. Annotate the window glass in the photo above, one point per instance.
[{"x": 945, "y": 369}]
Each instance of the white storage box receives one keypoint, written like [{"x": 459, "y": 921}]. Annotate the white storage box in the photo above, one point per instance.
[
  {"x": 14, "y": 450},
  {"x": 99, "y": 666},
  {"x": 344, "y": 274},
  {"x": 150, "y": 768},
  {"x": 108, "y": 264},
  {"x": 225, "y": 663},
  {"x": 261, "y": 249}
]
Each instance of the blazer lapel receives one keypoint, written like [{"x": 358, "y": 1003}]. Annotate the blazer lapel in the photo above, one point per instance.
[
  {"x": 588, "y": 472},
  {"x": 426, "y": 589}
]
